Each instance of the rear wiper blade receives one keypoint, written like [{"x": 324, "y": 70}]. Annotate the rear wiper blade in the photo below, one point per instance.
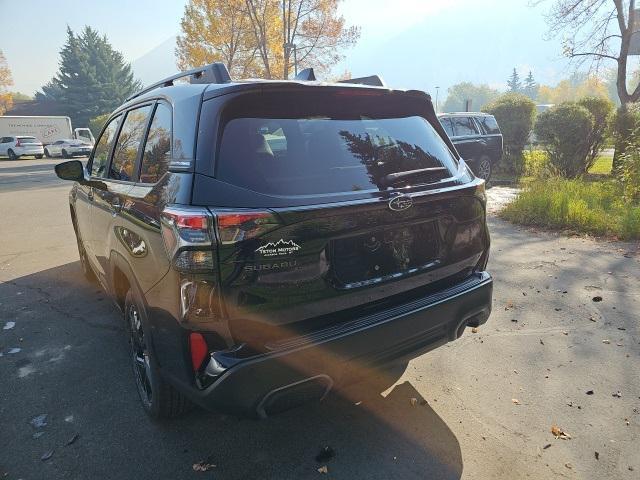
[{"x": 393, "y": 178}]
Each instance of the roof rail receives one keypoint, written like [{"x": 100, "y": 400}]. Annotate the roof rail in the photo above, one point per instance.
[
  {"x": 372, "y": 80},
  {"x": 213, "y": 73}
]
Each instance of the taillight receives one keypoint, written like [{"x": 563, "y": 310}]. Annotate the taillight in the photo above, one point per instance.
[
  {"x": 18, "y": 144},
  {"x": 188, "y": 240},
  {"x": 243, "y": 225}
]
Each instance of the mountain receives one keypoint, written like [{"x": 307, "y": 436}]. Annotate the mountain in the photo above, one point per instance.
[{"x": 158, "y": 63}]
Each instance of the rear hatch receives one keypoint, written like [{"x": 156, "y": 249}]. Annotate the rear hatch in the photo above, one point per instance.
[{"x": 350, "y": 202}]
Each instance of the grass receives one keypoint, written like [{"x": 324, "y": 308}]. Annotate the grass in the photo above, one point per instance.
[
  {"x": 587, "y": 206},
  {"x": 602, "y": 166}
]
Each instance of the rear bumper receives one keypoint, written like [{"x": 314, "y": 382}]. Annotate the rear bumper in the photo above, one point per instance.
[{"x": 310, "y": 366}]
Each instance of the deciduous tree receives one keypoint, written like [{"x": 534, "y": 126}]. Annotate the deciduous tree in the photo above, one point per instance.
[
  {"x": 218, "y": 31},
  {"x": 317, "y": 31},
  {"x": 6, "y": 80},
  {"x": 480, "y": 95},
  {"x": 598, "y": 31}
]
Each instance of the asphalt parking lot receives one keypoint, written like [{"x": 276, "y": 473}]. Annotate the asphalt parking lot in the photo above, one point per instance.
[{"x": 484, "y": 405}]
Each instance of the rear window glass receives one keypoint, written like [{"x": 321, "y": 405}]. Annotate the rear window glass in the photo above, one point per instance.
[
  {"x": 315, "y": 145},
  {"x": 28, "y": 140},
  {"x": 489, "y": 125}
]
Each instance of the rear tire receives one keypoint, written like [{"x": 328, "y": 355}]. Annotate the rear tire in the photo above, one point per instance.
[
  {"x": 12, "y": 155},
  {"x": 483, "y": 168},
  {"x": 38, "y": 157},
  {"x": 65, "y": 154},
  {"x": 159, "y": 399},
  {"x": 46, "y": 153}
]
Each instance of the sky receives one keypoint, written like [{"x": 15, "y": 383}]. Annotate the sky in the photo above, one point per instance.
[{"x": 412, "y": 43}]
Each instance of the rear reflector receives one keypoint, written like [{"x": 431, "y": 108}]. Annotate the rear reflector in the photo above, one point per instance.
[{"x": 199, "y": 350}]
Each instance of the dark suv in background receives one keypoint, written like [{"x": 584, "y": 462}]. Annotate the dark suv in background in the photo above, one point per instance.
[
  {"x": 268, "y": 241},
  {"x": 477, "y": 138}
]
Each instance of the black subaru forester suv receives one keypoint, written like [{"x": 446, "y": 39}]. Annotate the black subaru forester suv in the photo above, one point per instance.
[{"x": 269, "y": 241}]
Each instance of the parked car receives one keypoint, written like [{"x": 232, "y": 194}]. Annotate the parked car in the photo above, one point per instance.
[
  {"x": 269, "y": 241},
  {"x": 16, "y": 147},
  {"x": 478, "y": 139},
  {"x": 67, "y": 147}
]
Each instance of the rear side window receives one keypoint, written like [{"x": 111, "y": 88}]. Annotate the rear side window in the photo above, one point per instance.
[
  {"x": 129, "y": 140},
  {"x": 446, "y": 124},
  {"x": 463, "y": 126},
  {"x": 156, "y": 155},
  {"x": 489, "y": 124},
  {"x": 103, "y": 147},
  {"x": 315, "y": 144}
]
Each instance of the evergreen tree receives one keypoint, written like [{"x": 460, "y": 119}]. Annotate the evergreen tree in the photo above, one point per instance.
[
  {"x": 530, "y": 87},
  {"x": 514, "y": 82},
  {"x": 93, "y": 78}
]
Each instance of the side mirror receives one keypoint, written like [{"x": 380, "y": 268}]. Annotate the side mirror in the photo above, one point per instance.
[{"x": 72, "y": 170}]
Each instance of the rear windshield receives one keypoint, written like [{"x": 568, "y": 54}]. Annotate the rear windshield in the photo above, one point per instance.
[
  {"x": 28, "y": 140},
  {"x": 489, "y": 124},
  {"x": 327, "y": 144}
]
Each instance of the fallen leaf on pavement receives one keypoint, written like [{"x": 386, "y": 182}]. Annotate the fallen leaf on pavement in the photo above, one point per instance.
[
  {"x": 515, "y": 401},
  {"x": 559, "y": 433},
  {"x": 597, "y": 298},
  {"x": 46, "y": 456},
  {"x": 606, "y": 341},
  {"x": 568, "y": 465},
  {"x": 323, "y": 469},
  {"x": 597, "y": 455},
  {"x": 546, "y": 446},
  {"x": 541, "y": 342},
  {"x": 617, "y": 394},
  {"x": 589, "y": 392},
  {"x": 565, "y": 332},
  {"x": 73, "y": 439},
  {"x": 203, "y": 466},
  {"x": 474, "y": 330}
]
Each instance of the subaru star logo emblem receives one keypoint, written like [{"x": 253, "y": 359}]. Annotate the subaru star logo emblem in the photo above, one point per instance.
[{"x": 400, "y": 203}]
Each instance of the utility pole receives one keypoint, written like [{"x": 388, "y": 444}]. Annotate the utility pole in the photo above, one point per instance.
[{"x": 437, "y": 95}]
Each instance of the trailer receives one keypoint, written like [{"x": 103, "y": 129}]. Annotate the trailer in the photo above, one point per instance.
[{"x": 47, "y": 129}]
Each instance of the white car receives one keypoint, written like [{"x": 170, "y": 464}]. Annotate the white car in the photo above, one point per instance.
[
  {"x": 20, "y": 146},
  {"x": 68, "y": 147}
]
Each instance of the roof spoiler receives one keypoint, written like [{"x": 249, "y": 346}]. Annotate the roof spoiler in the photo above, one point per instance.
[
  {"x": 371, "y": 80},
  {"x": 213, "y": 73}
]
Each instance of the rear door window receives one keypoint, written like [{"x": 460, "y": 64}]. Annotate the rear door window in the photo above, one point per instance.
[
  {"x": 103, "y": 148},
  {"x": 319, "y": 144},
  {"x": 489, "y": 124},
  {"x": 156, "y": 155},
  {"x": 464, "y": 126},
  {"x": 128, "y": 144}
]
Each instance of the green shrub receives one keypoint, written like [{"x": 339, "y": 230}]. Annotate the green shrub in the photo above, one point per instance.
[
  {"x": 596, "y": 207},
  {"x": 564, "y": 131},
  {"x": 601, "y": 110},
  {"x": 515, "y": 114},
  {"x": 625, "y": 122},
  {"x": 630, "y": 167}
]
